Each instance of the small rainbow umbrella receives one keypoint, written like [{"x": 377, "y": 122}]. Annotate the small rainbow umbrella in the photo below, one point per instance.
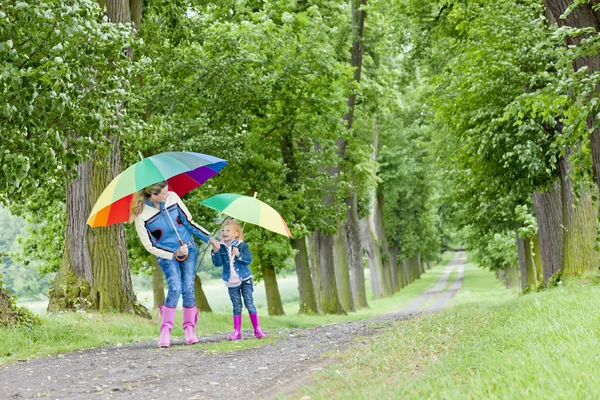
[
  {"x": 248, "y": 209},
  {"x": 183, "y": 171}
]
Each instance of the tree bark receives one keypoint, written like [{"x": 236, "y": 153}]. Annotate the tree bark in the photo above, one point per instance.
[
  {"x": 306, "y": 290},
  {"x": 406, "y": 271},
  {"x": 94, "y": 273},
  {"x": 395, "y": 267},
  {"x": 201, "y": 300},
  {"x": 580, "y": 226},
  {"x": 355, "y": 253},
  {"x": 373, "y": 260},
  {"x": 324, "y": 274},
  {"x": 530, "y": 265},
  {"x": 342, "y": 274},
  {"x": 158, "y": 285},
  {"x": 548, "y": 212},
  {"x": 511, "y": 275},
  {"x": 274, "y": 305},
  {"x": 537, "y": 259},
  {"x": 522, "y": 252}
]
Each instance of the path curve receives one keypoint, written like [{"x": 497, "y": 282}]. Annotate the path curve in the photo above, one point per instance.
[{"x": 142, "y": 371}]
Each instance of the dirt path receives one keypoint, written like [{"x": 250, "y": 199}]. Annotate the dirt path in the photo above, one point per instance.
[{"x": 142, "y": 371}]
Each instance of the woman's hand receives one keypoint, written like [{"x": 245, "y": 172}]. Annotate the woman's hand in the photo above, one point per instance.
[
  {"x": 215, "y": 244},
  {"x": 235, "y": 251},
  {"x": 182, "y": 251}
]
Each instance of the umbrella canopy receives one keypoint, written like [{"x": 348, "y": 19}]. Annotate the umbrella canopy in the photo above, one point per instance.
[
  {"x": 248, "y": 209},
  {"x": 183, "y": 171}
]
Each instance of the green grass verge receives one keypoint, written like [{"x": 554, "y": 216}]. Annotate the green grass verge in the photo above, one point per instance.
[
  {"x": 63, "y": 332},
  {"x": 492, "y": 344}
]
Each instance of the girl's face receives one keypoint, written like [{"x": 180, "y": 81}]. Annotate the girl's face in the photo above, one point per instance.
[
  {"x": 228, "y": 233},
  {"x": 161, "y": 197}
]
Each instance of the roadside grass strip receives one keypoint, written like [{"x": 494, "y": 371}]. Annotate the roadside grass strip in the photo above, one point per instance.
[{"x": 492, "y": 344}]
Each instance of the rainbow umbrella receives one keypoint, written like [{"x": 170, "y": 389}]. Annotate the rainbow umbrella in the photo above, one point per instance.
[
  {"x": 248, "y": 209},
  {"x": 183, "y": 171}
]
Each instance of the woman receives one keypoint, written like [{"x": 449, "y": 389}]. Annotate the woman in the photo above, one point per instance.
[{"x": 165, "y": 228}]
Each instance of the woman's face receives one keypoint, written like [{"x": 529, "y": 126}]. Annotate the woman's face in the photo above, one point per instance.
[{"x": 161, "y": 197}]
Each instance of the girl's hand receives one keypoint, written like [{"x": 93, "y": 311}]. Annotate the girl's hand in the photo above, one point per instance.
[{"x": 235, "y": 251}]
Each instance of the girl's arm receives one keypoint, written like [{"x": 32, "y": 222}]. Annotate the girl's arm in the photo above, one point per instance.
[
  {"x": 245, "y": 256},
  {"x": 216, "y": 258}
]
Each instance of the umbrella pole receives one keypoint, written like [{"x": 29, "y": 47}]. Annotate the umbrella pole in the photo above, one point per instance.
[{"x": 178, "y": 237}]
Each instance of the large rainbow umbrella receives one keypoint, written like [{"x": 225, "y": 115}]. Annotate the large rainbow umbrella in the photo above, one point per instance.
[
  {"x": 248, "y": 209},
  {"x": 183, "y": 171}
]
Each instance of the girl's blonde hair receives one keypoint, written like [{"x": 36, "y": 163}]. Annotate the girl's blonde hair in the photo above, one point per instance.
[
  {"x": 139, "y": 197},
  {"x": 236, "y": 226}
]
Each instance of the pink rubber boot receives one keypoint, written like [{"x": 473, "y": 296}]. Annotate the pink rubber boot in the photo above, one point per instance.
[
  {"x": 190, "y": 318},
  {"x": 168, "y": 316},
  {"x": 237, "y": 328},
  {"x": 257, "y": 332}
]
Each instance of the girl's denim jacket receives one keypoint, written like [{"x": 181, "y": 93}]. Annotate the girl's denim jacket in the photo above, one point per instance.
[{"x": 220, "y": 258}]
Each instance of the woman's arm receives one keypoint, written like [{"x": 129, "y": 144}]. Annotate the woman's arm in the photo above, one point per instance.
[
  {"x": 146, "y": 239},
  {"x": 186, "y": 220}
]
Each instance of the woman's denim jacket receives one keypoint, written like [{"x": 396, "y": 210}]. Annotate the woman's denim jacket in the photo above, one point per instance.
[{"x": 220, "y": 258}]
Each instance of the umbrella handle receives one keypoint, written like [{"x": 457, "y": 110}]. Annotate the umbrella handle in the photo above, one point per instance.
[{"x": 181, "y": 258}]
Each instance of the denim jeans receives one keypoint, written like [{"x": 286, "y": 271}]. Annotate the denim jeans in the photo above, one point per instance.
[
  {"x": 180, "y": 277},
  {"x": 244, "y": 290}
]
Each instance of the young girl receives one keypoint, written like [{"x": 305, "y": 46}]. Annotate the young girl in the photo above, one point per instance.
[
  {"x": 161, "y": 221},
  {"x": 234, "y": 256}
]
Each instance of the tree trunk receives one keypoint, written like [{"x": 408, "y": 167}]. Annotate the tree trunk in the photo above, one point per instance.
[
  {"x": 94, "y": 272},
  {"x": 397, "y": 272},
  {"x": 582, "y": 16},
  {"x": 373, "y": 260},
  {"x": 537, "y": 259},
  {"x": 306, "y": 290},
  {"x": 406, "y": 271},
  {"x": 355, "y": 253},
  {"x": 352, "y": 227},
  {"x": 580, "y": 226},
  {"x": 274, "y": 305},
  {"x": 530, "y": 265},
  {"x": 158, "y": 285},
  {"x": 201, "y": 300},
  {"x": 548, "y": 212},
  {"x": 342, "y": 274},
  {"x": 511, "y": 275},
  {"x": 522, "y": 252},
  {"x": 324, "y": 274}
]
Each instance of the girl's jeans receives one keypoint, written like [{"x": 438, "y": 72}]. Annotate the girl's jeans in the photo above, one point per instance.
[
  {"x": 244, "y": 290},
  {"x": 180, "y": 277}
]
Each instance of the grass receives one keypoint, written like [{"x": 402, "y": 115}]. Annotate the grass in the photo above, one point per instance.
[
  {"x": 65, "y": 332},
  {"x": 491, "y": 344}
]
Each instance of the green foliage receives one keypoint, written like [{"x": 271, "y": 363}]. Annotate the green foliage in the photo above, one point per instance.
[{"x": 63, "y": 74}]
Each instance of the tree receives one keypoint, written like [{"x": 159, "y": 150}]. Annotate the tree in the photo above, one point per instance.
[{"x": 95, "y": 270}]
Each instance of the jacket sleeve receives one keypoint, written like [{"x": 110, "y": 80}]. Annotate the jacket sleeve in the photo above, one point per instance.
[
  {"x": 245, "y": 256},
  {"x": 149, "y": 244},
  {"x": 216, "y": 258},
  {"x": 186, "y": 219}
]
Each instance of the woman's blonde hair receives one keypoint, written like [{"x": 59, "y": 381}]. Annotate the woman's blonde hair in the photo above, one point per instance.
[
  {"x": 139, "y": 197},
  {"x": 236, "y": 226}
]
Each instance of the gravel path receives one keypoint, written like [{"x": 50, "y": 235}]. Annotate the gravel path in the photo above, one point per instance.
[{"x": 142, "y": 371}]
